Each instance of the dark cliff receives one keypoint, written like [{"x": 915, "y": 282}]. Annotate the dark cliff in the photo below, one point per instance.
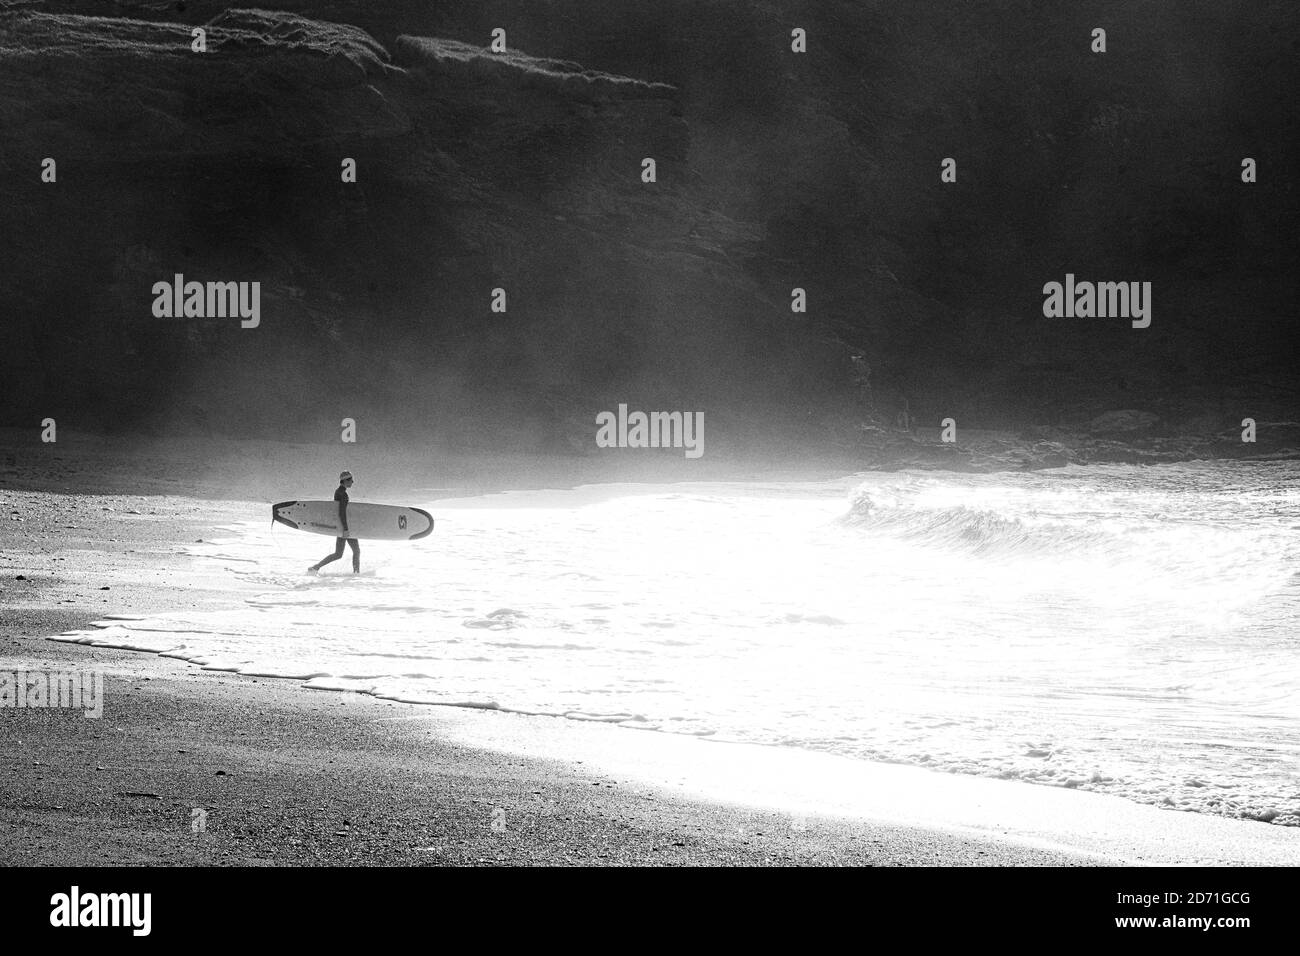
[{"x": 521, "y": 171}]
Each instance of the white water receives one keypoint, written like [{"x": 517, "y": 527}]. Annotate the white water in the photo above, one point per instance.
[{"x": 1121, "y": 629}]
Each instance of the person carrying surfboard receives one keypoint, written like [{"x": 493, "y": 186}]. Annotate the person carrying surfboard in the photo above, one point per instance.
[{"x": 341, "y": 496}]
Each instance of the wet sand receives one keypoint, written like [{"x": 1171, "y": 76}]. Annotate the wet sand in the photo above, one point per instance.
[{"x": 293, "y": 777}]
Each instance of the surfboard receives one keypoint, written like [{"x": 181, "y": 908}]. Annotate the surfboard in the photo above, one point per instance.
[{"x": 365, "y": 520}]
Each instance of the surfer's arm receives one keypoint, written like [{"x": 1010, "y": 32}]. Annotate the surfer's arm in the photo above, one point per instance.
[{"x": 343, "y": 516}]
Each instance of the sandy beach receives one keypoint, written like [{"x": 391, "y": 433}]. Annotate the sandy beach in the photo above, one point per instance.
[{"x": 291, "y": 776}]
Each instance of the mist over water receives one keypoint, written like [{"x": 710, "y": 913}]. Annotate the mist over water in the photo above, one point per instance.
[{"x": 1121, "y": 629}]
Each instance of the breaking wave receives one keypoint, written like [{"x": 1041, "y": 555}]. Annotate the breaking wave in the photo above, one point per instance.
[{"x": 978, "y": 531}]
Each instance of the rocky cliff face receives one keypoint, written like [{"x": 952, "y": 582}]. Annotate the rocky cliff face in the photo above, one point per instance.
[{"x": 521, "y": 171}]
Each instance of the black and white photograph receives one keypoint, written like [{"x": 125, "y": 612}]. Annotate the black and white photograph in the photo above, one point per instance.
[{"x": 840, "y": 437}]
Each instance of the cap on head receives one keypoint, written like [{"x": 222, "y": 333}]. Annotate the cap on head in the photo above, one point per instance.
[{"x": 345, "y": 475}]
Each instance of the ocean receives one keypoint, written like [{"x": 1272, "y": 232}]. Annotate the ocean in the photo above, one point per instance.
[{"x": 1122, "y": 629}]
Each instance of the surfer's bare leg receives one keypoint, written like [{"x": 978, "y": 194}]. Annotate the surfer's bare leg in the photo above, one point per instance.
[
  {"x": 338, "y": 553},
  {"x": 356, "y": 554}
]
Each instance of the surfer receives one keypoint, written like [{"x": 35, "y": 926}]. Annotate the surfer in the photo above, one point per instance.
[{"x": 341, "y": 496}]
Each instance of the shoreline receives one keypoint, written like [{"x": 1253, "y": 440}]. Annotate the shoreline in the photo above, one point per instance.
[
  {"x": 290, "y": 778},
  {"x": 279, "y": 769},
  {"x": 293, "y": 777}
]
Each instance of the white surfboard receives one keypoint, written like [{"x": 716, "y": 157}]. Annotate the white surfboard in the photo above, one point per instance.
[{"x": 365, "y": 520}]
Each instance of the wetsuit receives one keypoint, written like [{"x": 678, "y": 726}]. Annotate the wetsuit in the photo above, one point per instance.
[{"x": 341, "y": 496}]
